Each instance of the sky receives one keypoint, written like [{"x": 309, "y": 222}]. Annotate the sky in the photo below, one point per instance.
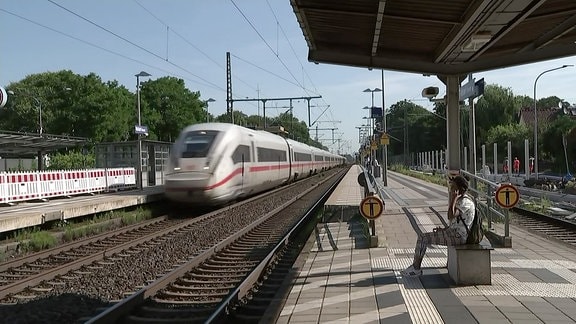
[{"x": 188, "y": 39}]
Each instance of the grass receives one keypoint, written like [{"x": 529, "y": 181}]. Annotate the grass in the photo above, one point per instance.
[
  {"x": 36, "y": 239},
  {"x": 439, "y": 179},
  {"x": 539, "y": 206}
]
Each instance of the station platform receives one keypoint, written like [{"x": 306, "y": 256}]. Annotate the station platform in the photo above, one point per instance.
[
  {"x": 341, "y": 280},
  {"x": 344, "y": 201},
  {"x": 34, "y": 213}
]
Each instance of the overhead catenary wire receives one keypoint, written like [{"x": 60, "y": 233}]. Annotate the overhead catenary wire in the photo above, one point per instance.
[
  {"x": 265, "y": 42},
  {"x": 306, "y": 91},
  {"x": 92, "y": 44},
  {"x": 165, "y": 57},
  {"x": 187, "y": 41},
  {"x": 134, "y": 44}
]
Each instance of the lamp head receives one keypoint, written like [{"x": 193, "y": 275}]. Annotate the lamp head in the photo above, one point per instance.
[{"x": 143, "y": 74}]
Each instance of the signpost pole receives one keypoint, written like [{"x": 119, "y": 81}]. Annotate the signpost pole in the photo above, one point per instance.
[
  {"x": 507, "y": 196},
  {"x": 371, "y": 208},
  {"x": 507, "y": 223}
]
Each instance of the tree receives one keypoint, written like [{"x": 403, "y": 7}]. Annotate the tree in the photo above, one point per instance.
[
  {"x": 514, "y": 132},
  {"x": 167, "y": 107},
  {"x": 548, "y": 102},
  {"x": 524, "y": 101},
  {"x": 71, "y": 105},
  {"x": 559, "y": 142},
  {"x": 415, "y": 129},
  {"x": 497, "y": 106}
]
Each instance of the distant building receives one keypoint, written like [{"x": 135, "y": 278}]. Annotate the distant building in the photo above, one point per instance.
[{"x": 547, "y": 115}]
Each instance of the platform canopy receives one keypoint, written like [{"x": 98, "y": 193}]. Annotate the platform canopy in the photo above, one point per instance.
[
  {"x": 20, "y": 145},
  {"x": 442, "y": 37}
]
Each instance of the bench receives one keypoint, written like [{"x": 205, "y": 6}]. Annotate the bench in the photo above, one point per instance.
[{"x": 469, "y": 264}]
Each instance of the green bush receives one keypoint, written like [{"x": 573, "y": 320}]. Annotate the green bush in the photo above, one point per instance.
[
  {"x": 72, "y": 161},
  {"x": 38, "y": 241}
]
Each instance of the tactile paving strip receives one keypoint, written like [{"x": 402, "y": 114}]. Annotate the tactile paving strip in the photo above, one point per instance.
[{"x": 419, "y": 305}]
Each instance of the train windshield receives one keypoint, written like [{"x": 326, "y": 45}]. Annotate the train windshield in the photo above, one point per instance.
[{"x": 196, "y": 144}]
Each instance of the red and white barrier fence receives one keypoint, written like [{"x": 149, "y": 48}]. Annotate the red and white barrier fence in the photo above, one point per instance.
[{"x": 21, "y": 186}]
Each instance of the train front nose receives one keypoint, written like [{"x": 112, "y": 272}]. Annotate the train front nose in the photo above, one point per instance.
[{"x": 187, "y": 187}]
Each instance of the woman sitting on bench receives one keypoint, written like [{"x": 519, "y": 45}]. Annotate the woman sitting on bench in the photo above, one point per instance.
[{"x": 455, "y": 234}]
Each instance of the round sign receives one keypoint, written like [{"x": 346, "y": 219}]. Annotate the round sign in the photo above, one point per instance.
[
  {"x": 371, "y": 207},
  {"x": 507, "y": 196},
  {"x": 3, "y": 97}
]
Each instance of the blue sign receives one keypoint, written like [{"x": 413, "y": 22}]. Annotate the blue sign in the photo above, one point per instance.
[
  {"x": 375, "y": 112},
  {"x": 472, "y": 89},
  {"x": 140, "y": 129}
]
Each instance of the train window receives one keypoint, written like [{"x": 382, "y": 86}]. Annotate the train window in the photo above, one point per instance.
[
  {"x": 241, "y": 150},
  {"x": 302, "y": 157},
  {"x": 196, "y": 144},
  {"x": 271, "y": 155}
]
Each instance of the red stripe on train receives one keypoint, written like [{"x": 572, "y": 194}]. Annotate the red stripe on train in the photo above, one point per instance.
[{"x": 233, "y": 174}]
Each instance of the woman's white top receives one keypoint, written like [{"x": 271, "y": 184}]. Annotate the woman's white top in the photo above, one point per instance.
[{"x": 465, "y": 208}]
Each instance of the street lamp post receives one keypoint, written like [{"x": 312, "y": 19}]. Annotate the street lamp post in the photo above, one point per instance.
[
  {"x": 370, "y": 133},
  {"x": 361, "y": 130},
  {"x": 536, "y": 117},
  {"x": 141, "y": 74},
  {"x": 40, "y": 123},
  {"x": 372, "y": 93},
  {"x": 372, "y": 156},
  {"x": 384, "y": 127},
  {"x": 39, "y": 106},
  {"x": 208, "y": 115},
  {"x": 139, "y": 163}
]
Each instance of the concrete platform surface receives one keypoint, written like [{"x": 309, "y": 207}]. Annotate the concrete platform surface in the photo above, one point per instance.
[
  {"x": 343, "y": 281},
  {"x": 27, "y": 214}
]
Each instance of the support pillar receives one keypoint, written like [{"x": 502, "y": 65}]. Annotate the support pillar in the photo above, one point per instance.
[{"x": 453, "y": 123}]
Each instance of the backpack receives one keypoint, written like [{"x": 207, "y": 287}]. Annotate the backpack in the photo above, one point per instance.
[{"x": 475, "y": 232}]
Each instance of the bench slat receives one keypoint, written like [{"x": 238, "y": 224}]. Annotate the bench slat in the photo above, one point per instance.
[{"x": 483, "y": 245}]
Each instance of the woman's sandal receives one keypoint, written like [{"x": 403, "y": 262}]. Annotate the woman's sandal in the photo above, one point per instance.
[{"x": 411, "y": 272}]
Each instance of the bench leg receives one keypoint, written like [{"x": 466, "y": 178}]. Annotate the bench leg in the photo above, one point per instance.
[{"x": 469, "y": 267}]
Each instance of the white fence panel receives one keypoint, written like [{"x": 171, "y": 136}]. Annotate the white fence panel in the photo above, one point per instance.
[
  {"x": 51, "y": 184},
  {"x": 21, "y": 186},
  {"x": 3, "y": 188}
]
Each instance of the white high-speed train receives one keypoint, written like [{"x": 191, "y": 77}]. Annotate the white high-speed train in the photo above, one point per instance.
[{"x": 214, "y": 163}]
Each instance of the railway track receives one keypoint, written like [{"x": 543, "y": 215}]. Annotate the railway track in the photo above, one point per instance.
[
  {"x": 549, "y": 226},
  {"x": 233, "y": 281},
  {"x": 32, "y": 270},
  {"x": 92, "y": 275}
]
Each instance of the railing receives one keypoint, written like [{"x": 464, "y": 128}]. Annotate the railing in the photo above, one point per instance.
[
  {"x": 484, "y": 191},
  {"x": 42, "y": 185}
]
